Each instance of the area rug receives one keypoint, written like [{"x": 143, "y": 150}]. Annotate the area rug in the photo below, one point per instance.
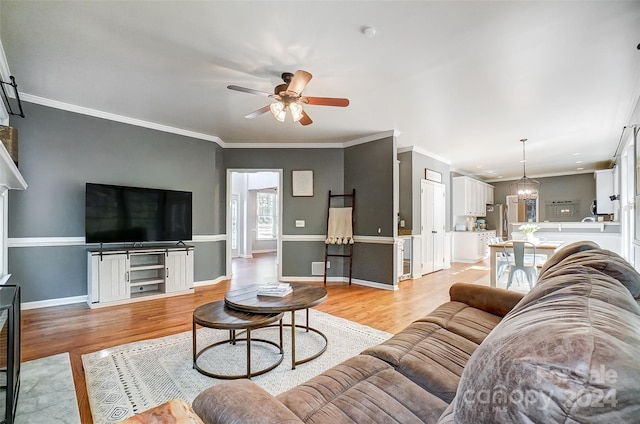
[
  {"x": 47, "y": 393},
  {"x": 128, "y": 379}
]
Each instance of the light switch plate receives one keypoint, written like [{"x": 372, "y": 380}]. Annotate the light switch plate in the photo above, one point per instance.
[{"x": 300, "y": 223}]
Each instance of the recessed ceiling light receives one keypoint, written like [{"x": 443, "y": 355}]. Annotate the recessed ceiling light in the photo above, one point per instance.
[
  {"x": 578, "y": 161},
  {"x": 579, "y": 169},
  {"x": 576, "y": 154}
]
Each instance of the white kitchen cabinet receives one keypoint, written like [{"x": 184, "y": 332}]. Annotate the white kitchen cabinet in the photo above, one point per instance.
[
  {"x": 471, "y": 246},
  {"x": 470, "y": 196},
  {"x": 117, "y": 275},
  {"x": 489, "y": 199},
  {"x": 604, "y": 189}
]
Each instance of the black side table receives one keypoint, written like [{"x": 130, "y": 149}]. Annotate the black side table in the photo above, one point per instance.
[{"x": 9, "y": 358}]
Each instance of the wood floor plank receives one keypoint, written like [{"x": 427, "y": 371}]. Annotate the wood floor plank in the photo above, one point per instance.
[{"x": 77, "y": 329}]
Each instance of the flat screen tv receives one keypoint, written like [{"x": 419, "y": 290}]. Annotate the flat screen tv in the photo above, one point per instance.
[{"x": 135, "y": 214}]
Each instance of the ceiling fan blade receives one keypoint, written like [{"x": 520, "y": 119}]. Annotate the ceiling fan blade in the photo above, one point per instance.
[
  {"x": 298, "y": 82},
  {"x": 258, "y": 112},
  {"x": 325, "y": 101},
  {"x": 305, "y": 120},
  {"x": 249, "y": 90}
]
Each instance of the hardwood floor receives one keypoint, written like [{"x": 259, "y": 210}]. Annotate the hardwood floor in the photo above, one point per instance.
[{"x": 77, "y": 329}]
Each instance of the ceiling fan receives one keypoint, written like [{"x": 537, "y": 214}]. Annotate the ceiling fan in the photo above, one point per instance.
[{"x": 288, "y": 96}]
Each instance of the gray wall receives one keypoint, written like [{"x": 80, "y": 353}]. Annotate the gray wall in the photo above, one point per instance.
[
  {"x": 327, "y": 166},
  {"x": 369, "y": 168},
  {"x": 366, "y": 167},
  {"x": 60, "y": 151},
  {"x": 412, "y": 172},
  {"x": 580, "y": 189},
  {"x": 328, "y": 170}
]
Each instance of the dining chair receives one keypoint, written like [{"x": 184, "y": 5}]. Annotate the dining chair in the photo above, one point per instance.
[
  {"x": 502, "y": 261},
  {"x": 514, "y": 251}
]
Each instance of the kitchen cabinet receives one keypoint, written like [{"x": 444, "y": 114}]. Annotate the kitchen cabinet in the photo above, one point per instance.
[
  {"x": 604, "y": 189},
  {"x": 471, "y": 246},
  {"x": 470, "y": 196}
]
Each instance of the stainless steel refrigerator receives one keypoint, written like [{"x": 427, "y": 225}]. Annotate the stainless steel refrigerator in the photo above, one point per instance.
[{"x": 497, "y": 220}]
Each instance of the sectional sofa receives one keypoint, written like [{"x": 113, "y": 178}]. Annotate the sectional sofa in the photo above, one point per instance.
[{"x": 569, "y": 351}]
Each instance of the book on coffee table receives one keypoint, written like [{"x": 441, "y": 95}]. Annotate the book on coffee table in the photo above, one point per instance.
[{"x": 275, "y": 290}]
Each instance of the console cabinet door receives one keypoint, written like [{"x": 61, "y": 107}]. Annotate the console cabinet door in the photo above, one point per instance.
[
  {"x": 179, "y": 271},
  {"x": 113, "y": 277}
]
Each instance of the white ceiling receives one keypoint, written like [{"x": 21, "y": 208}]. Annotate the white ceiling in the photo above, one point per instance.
[{"x": 461, "y": 80}]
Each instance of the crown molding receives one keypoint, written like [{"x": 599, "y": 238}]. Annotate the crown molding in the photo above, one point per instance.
[
  {"x": 119, "y": 118},
  {"x": 557, "y": 174},
  {"x": 423, "y": 152},
  {"x": 284, "y": 145},
  {"x": 369, "y": 138}
]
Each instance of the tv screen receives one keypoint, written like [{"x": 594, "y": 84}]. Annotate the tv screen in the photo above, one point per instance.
[{"x": 135, "y": 214}]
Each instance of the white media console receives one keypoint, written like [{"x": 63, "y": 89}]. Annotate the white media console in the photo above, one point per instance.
[{"x": 120, "y": 275}]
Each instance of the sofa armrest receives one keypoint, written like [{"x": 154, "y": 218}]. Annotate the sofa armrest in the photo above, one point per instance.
[
  {"x": 489, "y": 299},
  {"x": 241, "y": 401}
]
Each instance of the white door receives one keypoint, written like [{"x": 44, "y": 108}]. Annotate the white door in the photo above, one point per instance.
[{"x": 432, "y": 202}]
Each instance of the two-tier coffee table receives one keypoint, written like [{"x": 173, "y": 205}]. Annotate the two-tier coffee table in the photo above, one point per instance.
[
  {"x": 304, "y": 296},
  {"x": 218, "y": 316}
]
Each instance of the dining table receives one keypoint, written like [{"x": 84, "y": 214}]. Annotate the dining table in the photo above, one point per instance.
[{"x": 542, "y": 248}]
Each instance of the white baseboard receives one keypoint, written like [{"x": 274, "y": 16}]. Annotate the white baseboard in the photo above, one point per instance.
[
  {"x": 210, "y": 282},
  {"x": 315, "y": 279},
  {"x": 53, "y": 302}
]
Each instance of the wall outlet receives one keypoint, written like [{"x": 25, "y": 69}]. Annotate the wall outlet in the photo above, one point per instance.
[
  {"x": 299, "y": 223},
  {"x": 402, "y": 223}
]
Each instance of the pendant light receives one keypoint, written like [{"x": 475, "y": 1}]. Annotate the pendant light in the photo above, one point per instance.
[{"x": 525, "y": 188}]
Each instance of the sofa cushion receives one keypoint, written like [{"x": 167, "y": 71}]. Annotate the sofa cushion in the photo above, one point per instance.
[
  {"x": 429, "y": 355},
  {"x": 565, "y": 251},
  {"x": 605, "y": 261},
  {"x": 567, "y": 353},
  {"x": 363, "y": 389},
  {"x": 459, "y": 318}
]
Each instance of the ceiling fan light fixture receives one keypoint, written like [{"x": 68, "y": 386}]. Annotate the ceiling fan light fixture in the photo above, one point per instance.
[
  {"x": 296, "y": 111},
  {"x": 278, "y": 111}
]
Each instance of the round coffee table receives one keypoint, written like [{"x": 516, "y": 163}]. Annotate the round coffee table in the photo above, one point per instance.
[
  {"x": 304, "y": 296},
  {"x": 216, "y": 315}
]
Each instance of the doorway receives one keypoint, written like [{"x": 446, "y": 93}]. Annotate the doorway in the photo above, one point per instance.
[
  {"x": 433, "y": 218},
  {"x": 254, "y": 222}
]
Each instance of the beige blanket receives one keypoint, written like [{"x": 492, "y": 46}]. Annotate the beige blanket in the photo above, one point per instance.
[{"x": 340, "y": 229}]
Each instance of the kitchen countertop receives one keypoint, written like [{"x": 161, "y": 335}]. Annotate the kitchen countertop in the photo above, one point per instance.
[{"x": 602, "y": 226}]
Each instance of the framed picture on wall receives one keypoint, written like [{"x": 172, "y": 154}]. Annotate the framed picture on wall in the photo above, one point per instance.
[{"x": 302, "y": 183}]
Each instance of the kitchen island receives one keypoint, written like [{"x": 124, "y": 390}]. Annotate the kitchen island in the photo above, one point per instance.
[{"x": 605, "y": 233}]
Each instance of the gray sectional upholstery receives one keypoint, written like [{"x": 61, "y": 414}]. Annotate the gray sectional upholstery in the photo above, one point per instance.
[{"x": 566, "y": 352}]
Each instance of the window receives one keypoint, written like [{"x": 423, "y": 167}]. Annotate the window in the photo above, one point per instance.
[{"x": 267, "y": 215}]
